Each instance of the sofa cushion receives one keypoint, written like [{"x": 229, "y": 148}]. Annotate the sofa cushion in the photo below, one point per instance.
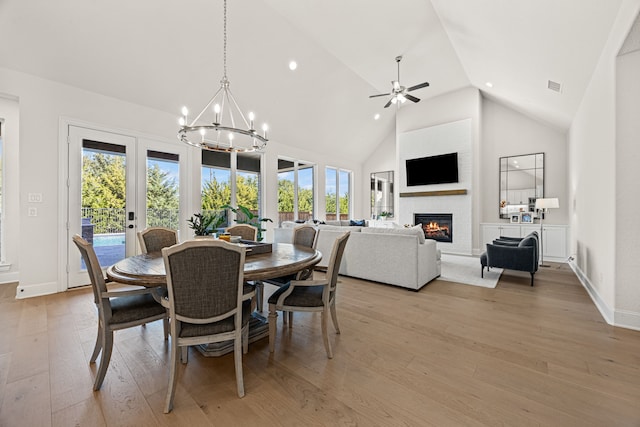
[
  {"x": 338, "y": 228},
  {"x": 413, "y": 231}
]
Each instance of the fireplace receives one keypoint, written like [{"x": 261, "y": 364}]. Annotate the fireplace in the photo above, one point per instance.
[{"x": 438, "y": 227}]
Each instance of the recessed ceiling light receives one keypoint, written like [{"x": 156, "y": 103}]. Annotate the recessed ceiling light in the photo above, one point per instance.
[
  {"x": 489, "y": 84},
  {"x": 293, "y": 65},
  {"x": 376, "y": 117}
]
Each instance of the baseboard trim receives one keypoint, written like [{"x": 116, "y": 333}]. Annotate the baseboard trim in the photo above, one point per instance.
[
  {"x": 9, "y": 277},
  {"x": 36, "y": 290},
  {"x": 606, "y": 312},
  {"x": 628, "y": 319}
]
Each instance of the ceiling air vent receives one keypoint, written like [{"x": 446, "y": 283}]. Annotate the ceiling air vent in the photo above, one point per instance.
[{"x": 554, "y": 86}]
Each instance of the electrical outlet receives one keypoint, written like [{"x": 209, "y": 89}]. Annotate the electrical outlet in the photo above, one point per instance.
[
  {"x": 32, "y": 212},
  {"x": 35, "y": 198}
]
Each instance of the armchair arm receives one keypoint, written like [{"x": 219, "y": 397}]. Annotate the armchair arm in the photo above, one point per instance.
[{"x": 309, "y": 283}]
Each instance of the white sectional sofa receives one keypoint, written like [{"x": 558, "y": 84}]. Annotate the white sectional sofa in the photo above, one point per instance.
[{"x": 395, "y": 256}]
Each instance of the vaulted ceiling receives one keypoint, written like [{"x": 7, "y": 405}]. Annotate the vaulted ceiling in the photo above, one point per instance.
[{"x": 165, "y": 53}]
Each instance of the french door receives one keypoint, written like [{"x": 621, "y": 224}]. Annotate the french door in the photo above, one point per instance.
[{"x": 120, "y": 184}]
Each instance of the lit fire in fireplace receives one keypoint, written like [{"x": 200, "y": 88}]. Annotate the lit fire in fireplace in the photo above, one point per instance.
[{"x": 434, "y": 228}]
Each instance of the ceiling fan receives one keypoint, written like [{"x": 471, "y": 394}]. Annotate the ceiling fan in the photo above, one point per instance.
[{"x": 399, "y": 92}]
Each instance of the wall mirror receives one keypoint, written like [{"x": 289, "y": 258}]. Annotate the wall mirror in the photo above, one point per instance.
[
  {"x": 521, "y": 183},
  {"x": 382, "y": 194}
]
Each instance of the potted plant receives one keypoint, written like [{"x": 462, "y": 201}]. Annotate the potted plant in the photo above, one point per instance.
[
  {"x": 203, "y": 224},
  {"x": 385, "y": 214},
  {"x": 245, "y": 216}
]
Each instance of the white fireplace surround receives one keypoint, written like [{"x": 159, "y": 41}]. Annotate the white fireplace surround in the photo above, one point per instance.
[{"x": 432, "y": 141}]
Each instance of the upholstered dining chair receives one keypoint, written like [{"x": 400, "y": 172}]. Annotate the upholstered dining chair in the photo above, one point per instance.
[
  {"x": 311, "y": 296},
  {"x": 116, "y": 309},
  {"x": 245, "y": 231},
  {"x": 305, "y": 235},
  {"x": 207, "y": 302},
  {"x": 153, "y": 239}
]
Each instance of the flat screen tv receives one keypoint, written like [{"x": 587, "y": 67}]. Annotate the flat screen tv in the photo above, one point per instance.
[{"x": 441, "y": 169}]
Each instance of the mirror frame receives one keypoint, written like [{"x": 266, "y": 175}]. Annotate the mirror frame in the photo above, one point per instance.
[
  {"x": 382, "y": 185},
  {"x": 505, "y": 168}
]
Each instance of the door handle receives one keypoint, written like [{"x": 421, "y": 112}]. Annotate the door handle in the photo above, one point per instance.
[{"x": 130, "y": 225}]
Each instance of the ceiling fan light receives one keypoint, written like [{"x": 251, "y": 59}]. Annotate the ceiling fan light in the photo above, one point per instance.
[
  {"x": 394, "y": 100},
  {"x": 401, "y": 98}
]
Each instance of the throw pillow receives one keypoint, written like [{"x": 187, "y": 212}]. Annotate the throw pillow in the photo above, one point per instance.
[{"x": 357, "y": 223}]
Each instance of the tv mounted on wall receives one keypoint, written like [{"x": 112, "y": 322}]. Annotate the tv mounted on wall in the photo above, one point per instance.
[{"x": 441, "y": 169}]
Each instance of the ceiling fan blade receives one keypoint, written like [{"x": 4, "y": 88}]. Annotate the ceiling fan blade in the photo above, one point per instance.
[
  {"x": 420, "y": 86},
  {"x": 381, "y": 94},
  {"x": 387, "y": 104},
  {"x": 411, "y": 98}
]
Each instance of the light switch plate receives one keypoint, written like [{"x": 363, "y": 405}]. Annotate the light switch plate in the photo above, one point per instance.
[
  {"x": 32, "y": 212},
  {"x": 35, "y": 197}
]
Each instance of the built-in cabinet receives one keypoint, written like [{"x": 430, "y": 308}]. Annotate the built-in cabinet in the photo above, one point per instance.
[{"x": 554, "y": 237}]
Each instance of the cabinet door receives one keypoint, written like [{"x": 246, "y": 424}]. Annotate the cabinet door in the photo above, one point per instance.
[
  {"x": 490, "y": 232},
  {"x": 555, "y": 242}
]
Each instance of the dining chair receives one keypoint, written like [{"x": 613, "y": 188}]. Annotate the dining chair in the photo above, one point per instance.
[
  {"x": 245, "y": 231},
  {"x": 207, "y": 302},
  {"x": 311, "y": 296},
  {"x": 116, "y": 309},
  {"x": 153, "y": 239},
  {"x": 305, "y": 235}
]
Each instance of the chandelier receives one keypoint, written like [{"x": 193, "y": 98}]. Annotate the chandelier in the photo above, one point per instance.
[{"x": 219, "y": 126}]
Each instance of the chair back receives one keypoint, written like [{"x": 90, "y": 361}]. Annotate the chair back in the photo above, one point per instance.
[
  {"x": 334, "y": 264},
  {"x": 305, "y": 236},
  {"x": 205, "y": 281},
  {"x": 153, "y": 239},
  {"x": 245, "y": 231},
  {"x": 95, "y": 275}
]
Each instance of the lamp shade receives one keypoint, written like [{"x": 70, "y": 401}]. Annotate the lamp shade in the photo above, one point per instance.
[{"x": 550, "y": 203}]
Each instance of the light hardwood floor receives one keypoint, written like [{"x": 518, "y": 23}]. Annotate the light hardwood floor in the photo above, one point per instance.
[{"x": 447, "y": 355}]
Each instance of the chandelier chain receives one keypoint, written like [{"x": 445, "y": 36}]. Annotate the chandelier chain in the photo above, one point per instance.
[{"x": 224, "y": 51}]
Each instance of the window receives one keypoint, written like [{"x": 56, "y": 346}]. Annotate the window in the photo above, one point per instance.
[
  {"x": 218, "y": 186},
  {"x": 338, "y": 194},
  {"x": 295, "y": 190}
]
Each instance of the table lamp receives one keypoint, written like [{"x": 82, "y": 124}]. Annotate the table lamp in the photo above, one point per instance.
[{"x": 544, "y": 205}]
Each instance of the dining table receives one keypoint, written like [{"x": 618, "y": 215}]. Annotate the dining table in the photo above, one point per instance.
[{"x": 284, "y": 259}]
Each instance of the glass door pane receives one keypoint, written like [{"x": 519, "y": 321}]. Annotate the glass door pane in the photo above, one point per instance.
[{"x": 163, "y": 190}]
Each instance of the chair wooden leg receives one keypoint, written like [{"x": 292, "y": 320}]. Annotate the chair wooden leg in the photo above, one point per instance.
[
  {"x": 237, "y": 356},
  {"x": 482, "y": 272},
  {"x": 325, "y": 335},
  {"x": 532, "y": 279},
  {"x": 165, "y": 327},
  {"x": 98, "y": 346},
  {"x": 290, "y": 313},
  {"x": 285, "y": 319},
  {"x": 173, "y": 376},
  {"x": 273, "y": 318},
  {"x": 259, "y": 295},
  {"x": 107, "y": 347},
  {"x": 184, "y": 354},
  {"x": 334, "y": 318}
]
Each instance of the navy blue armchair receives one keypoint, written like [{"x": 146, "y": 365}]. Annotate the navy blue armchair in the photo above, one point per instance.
[{"x": 512, "y": 254}]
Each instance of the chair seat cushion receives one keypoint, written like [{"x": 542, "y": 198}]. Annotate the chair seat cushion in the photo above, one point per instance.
[
  {"x": 227, "y": 325},
  {"x": 302, "y": 296},
  {"x": 134, "y": 307}
]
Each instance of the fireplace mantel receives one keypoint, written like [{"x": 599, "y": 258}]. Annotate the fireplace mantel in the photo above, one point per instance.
[{"x": 435, "y": 193}]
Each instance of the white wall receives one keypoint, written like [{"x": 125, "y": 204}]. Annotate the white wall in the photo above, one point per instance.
[
  {"x": 382, "y": 159},
  {"x": 627, "y": 230},
  {"x": 42, "y": 105},
  {"x": 592, "y": 178},
  {"x": 506, "y": 132},
  {"x": 11, "y": 199}
]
